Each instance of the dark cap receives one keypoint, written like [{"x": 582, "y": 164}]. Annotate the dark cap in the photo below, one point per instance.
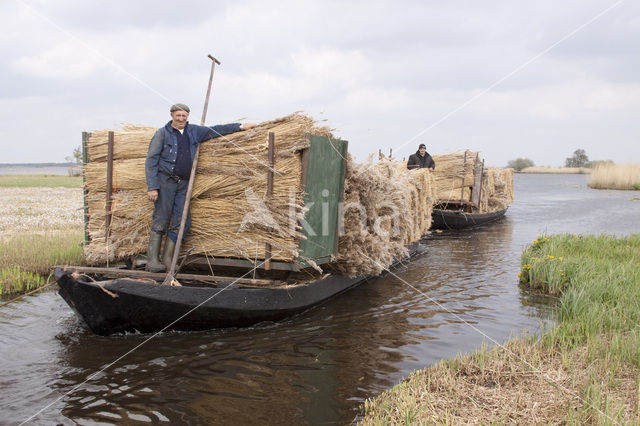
[
  {"x": 420, "y": 146},
  {"x": 179, "y": 107}
]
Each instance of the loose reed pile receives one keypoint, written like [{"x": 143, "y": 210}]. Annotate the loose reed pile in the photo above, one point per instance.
[
  {"x": 455, "y": 177},
  {"x": 385, "y": 207},
  {"x": 229, "y": 211}
]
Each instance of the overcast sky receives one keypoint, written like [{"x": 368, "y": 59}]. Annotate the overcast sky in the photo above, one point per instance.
[{"x": 509, "y": 78}]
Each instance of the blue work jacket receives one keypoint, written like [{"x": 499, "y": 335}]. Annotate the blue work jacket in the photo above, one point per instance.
[{"x": 163, "y": 148}]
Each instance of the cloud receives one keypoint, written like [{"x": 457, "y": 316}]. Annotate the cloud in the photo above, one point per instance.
[
  {"x": 64, "y": 61},
  {"x": 380, "y": 73}
]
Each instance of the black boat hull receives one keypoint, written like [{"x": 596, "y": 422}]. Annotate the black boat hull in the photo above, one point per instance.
[
  {"x": 451, "y": 219},
  {"x": 146, "y": 307}
]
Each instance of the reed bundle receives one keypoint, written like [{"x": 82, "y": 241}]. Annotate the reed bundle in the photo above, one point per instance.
[
  {"x": 497, "y": 185},
  {"x": 454, "y": 175},
  {"x": 385, "y": 207},
  {"x": 455, "y": 178},
  {"x": 129, "y": 142},
  {"x": 231, "y": 215}
]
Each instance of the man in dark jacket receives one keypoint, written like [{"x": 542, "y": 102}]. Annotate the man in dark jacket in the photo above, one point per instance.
[
  {"x": 421, "y": 159},
  {"x": 168, "y": 168}
]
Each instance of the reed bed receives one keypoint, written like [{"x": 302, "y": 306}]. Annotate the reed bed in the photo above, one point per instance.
[
  {"x": 386, "y": 207},
  {"x": 615, "y": 176},
  {"x": 231, "y": 215},
  {"x": 27, "y": 259}
]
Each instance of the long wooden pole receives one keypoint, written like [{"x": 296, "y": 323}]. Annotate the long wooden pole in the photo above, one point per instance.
[
  {"x": 107, "y": 206},
  {"x": 185, "y": 211},
  {"x": 464, "y": 172},
  {"x": 133, "y": 273},
  {"x": 271, "y": 159}
]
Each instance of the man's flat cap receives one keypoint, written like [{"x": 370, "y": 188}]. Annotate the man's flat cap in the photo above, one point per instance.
[{"x": 179, "y": 107}]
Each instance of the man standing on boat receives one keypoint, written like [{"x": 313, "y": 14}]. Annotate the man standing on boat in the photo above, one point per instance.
[
  {"x": 168, "y": 168},
  {"x": 421, "y": 159}
]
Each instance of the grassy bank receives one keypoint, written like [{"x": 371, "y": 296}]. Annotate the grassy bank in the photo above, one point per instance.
[
  {"x": 586, "y": 369},
  {"x": 561, "y": 170},
  {"x": 40, "y": 226},
  {"x": 616, "y": 176},
  {"x": 42, "y": 181},
  {"x": 26, "y": 260}
]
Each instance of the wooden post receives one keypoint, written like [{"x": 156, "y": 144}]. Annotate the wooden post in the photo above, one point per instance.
[
  {"x": 464, "y": 172},
  {"x": 107, "y": 220},
  {"x": 85, "y": 204},
  {"x": 481, "y": 177},
  {"x": 305, "y": 165},
  {"x": 390, "y": 153},
  {"x": 304, "y": 160},
  {"x": 271, "y": 158},
  {"x": 341, "y": 198}
]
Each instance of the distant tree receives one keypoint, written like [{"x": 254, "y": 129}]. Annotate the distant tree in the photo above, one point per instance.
[
  {"x": 520, "y": 163},
  {"x": 579, "y": 159},
  {"x": 77, "y": 156}
]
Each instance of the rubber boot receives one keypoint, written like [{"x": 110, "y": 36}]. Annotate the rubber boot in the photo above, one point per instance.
[
  {"x": 153, "y": 263},
  {"x": 167, "y": 254}
]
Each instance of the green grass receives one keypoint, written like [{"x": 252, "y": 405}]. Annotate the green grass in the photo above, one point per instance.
[
  {"x": 14, "y": 279},
  {"x": 583, "y": 370},
  {"x": 598, "y": 278},
  {"x": 26, "y": 260},
  {"x": 47, "y": 181}
]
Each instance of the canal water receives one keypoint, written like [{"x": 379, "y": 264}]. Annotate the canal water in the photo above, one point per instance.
[{"x": 315, "y": 368}]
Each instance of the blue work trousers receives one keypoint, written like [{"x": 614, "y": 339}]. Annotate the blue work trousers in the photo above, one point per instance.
[{"x": 167, "y": 211}]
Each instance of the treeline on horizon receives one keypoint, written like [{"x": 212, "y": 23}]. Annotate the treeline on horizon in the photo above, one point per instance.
[
  {"x": 66, "y": 164},
  {"x": 578, "y": 159}
]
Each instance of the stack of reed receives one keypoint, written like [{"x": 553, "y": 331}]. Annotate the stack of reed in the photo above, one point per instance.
[
  {"x": 497, "y": 189},
  {"x": 231, "y": 216},
  {"x": 455, "y": 177},
  {"x": 454, "y": 174}
]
